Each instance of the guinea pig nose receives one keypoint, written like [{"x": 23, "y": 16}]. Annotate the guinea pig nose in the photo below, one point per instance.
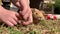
[{"x": 39, "y": 18}]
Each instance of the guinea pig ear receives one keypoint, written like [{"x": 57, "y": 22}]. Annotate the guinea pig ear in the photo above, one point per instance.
[{"x": 33, "y": 10}]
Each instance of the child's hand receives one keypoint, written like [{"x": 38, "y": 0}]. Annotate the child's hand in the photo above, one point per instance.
[
  {"x": 9, "y": 17},
  {"x": 29, "y": 18}
]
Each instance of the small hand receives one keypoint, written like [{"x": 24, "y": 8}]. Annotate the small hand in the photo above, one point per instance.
[
  {"x": 9, "y": 17},
  {"x": 30, "y": 18}
]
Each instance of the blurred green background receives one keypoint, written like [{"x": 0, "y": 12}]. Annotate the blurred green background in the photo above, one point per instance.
[{"x": 57, "y": 6}]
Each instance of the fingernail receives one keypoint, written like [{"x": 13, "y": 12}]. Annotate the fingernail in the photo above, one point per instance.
[
  {"x": 11, "y": 25},
  {"x": 15, "y": 23},
  {"x": 19, "y": 21},
  {"x": 25, "y": 23}
]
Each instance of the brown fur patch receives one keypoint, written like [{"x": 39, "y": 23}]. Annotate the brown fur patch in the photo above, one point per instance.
[{"x": 37, "y": 15}]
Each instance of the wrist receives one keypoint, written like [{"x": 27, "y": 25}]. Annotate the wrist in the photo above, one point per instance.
[{"x": 1, "y": 9}]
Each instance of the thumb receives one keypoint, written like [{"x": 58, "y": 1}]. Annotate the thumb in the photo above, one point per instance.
[{"x": 17, "y": 14}]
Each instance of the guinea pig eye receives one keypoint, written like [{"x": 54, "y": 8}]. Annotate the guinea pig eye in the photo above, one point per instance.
[{"x": 36, "y": 13}]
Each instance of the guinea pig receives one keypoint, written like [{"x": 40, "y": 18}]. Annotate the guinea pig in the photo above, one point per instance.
[{"x": 37, "y": 15}]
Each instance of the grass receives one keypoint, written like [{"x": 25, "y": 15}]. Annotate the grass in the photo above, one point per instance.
[{"x": 43, "y": 27}]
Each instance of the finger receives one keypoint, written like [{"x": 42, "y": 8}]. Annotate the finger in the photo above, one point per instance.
[
  {"x": 27, "y": 14},
  {"x": 18, "y": 16},
  {"x": 23, "y": 12},
  {"x": 12, "y": 21},
  {"x": 30, "y": 20},
  {"x": 9, "y": 23},
  {"x": 19, "y": 22},
  {"x": 25, "y": 23},
  {"x": 15, "y": 18},
  {"x": 21, "y": 16}
]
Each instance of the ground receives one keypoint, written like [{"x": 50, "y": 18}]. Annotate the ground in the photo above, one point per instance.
[{"x": 43, "y": 27}]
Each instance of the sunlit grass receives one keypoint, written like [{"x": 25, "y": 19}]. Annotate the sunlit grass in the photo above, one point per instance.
[{"x": 43, "y": 27}]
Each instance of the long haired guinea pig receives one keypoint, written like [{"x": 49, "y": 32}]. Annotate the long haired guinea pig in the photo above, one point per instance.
[{"x": 37, "y": 14}]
